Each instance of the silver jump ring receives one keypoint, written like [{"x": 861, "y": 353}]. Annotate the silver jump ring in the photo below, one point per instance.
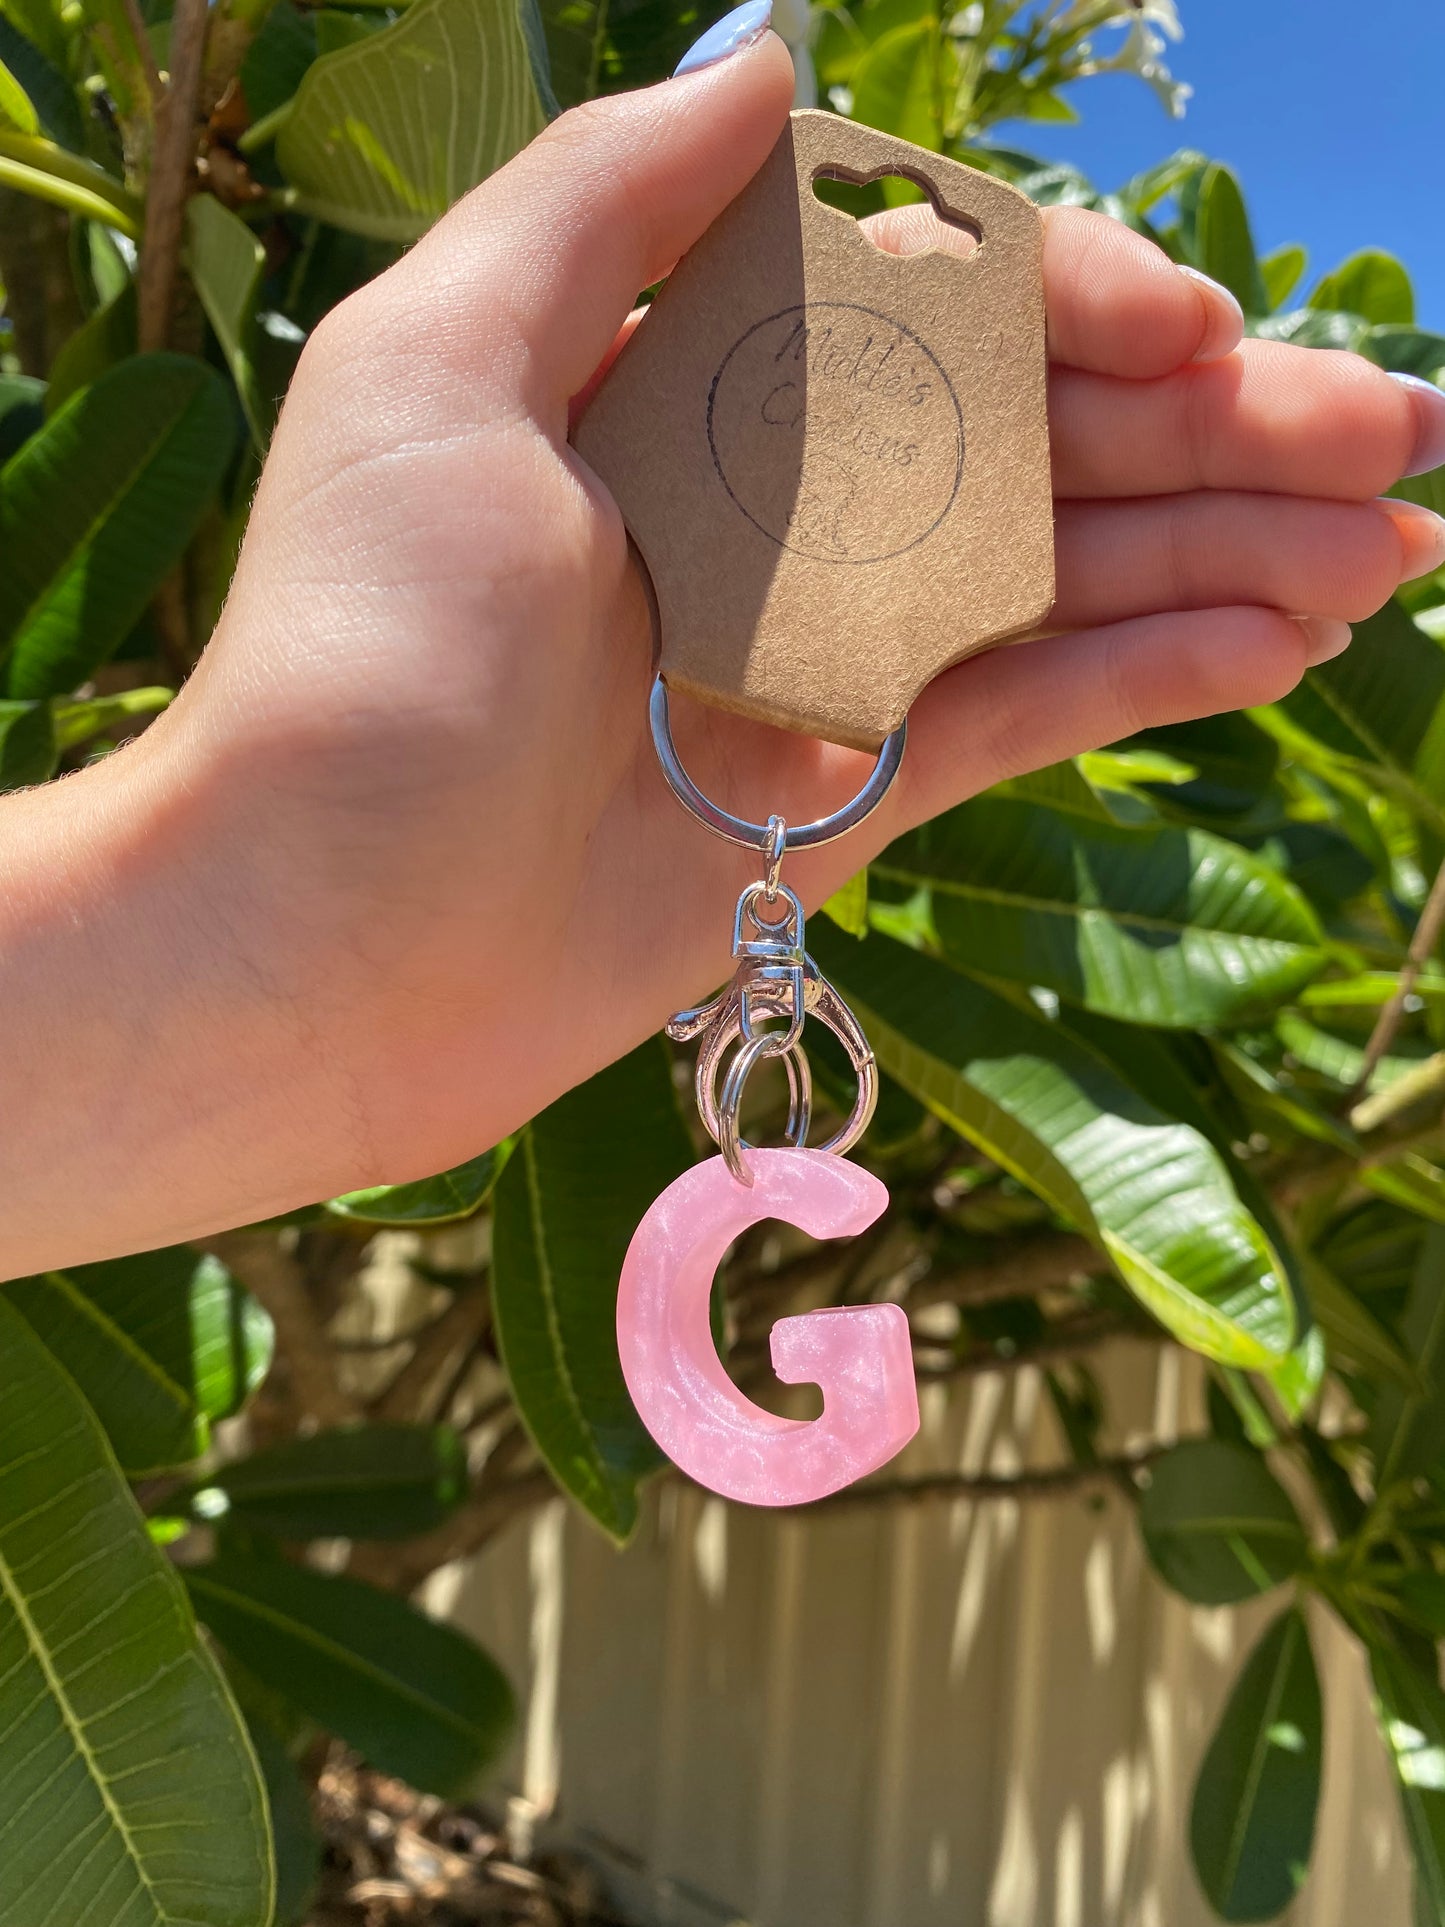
[
  {"x": 730, "y": 1140},
  {"x": 754, "y": 836},
  {"x": 773, "y": 851}
]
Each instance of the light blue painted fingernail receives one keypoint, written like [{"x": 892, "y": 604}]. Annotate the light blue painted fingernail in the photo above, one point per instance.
[
  {"x": 1430, "y": 429},
  {"x": 734, "y": 31}
]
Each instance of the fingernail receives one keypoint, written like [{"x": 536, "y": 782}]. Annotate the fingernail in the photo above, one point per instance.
[
  {"x": 1223, "y": 318},
  {"x": 1325, "y": 636},
  {"x": 1429, "y": 423},
  {"x": 734, "y": 31},
  {"x": 1422, "y": 536}
]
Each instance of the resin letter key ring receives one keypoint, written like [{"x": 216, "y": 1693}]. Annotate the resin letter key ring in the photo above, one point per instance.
[
  {"x": 861, "y": 1357},
  {"x": 833, "y": 462}
]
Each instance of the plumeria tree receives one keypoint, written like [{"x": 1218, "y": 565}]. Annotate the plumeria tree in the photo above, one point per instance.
[{"x": 1161, "y": 1030}]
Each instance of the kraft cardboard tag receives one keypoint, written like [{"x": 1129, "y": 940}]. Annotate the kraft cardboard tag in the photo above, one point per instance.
[{"x": 834, "y": 461}]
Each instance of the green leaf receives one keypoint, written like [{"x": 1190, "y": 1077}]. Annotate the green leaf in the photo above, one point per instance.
[
  {"x": 1422, "y": 1594},
  {"x": 38, "y": 167},
  {"x": 576, "y": 1189},
  {"x": 900, "y": 84},
  {"x": 128, "y": 1791},
  {"x": 443, "y": 1199},
  {"x": 383, "y": 137},
  {"x": 1354, "y": 1332},
  {"x": 1158, "y": 925},
  {"x": 1377, "y": 710},
  {"x": 22, "y": 410},
  {"x": 45, "y": 87},
  {"x": 160, "y": 1344},
  {"x": 1252, "y": 1823},
  {"x": 1407, "y": 1427},
  {"x": 1311, "y": 328},
  {"x": 226, "y": 264},
  {"x": 414, "y": 1697},
  {"x": 1223, "y": 241},
  {"x": 16, "y": 111},
  {"x": 294, "y": 1838},
  {"x": 75, "y": 722},
  {"x": 1411, "y": 1711},
  {"x": 364, "y": 1482},
  {"x": 1371, "y": 283},
  {"x": 848, "y": 907},
  {"x": 1149, "y": 1189},
  {"x": 1217, "y": 1525},
  {"x": 97, "y": 508},
  {"x": 1406, "y": 351},
  {"x": 1281, "y": 272},
  {"x": 108, "y": 337},
  {"x": 28, "y": 749}
]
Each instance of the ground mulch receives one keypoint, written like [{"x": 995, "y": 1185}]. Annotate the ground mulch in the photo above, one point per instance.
[{"x": 397, "y": 1858}]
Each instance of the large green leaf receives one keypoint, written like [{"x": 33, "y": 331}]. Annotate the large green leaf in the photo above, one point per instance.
[
  {"x": 1377, "y": 708},
  {"x": 96, "y": 509},
  {"x": 1407, "y": 351},
  {"x": 1407, "y": 1426},
  {"x": 1223, "y": 242},
  {"x": 1158, "y": 925},
  {"x": 1281, "y": 271},
  {"x": 1252, "y": 1823},
  {"x": 898, "y": 86},
  {"x": 1353, "y": 1330},
  {"x": 1217, "y": 1524},
  {"x": 293, "y": 1837},
  {"x": 45, "y": 86},
  {"x": 128, "y": 1792},
  {"x": 444, "y": 1199},
  {"x": 385, "y": 135},
  {"x": 411, "y": 1695},
  {"x": 160, "y": 1344},
  {"x": 362, "y": 1482},
  {"x": 575, "y": 1191},
  {"x": 1411, "y": 1710},
  {"x": 1371, "y": 283},
  {"x": 1149, "y": 1188},
  {"x": 227, "y": 262}
]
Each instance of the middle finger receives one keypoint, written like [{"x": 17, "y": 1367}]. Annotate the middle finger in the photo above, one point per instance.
[{"x": 1271, "y": 418}]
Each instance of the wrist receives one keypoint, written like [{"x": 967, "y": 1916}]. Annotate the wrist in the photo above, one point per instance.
[{"x": 157, "y": 1071}]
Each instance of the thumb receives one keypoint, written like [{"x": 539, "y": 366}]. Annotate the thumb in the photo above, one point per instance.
[{"x": 543, "y": 261}]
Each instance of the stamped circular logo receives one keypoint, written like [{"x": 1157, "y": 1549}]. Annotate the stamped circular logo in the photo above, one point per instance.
[{"x": 837, "y": 433}]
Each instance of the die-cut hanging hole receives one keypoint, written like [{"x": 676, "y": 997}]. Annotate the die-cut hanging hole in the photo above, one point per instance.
[{"x": 898, "y": 213}]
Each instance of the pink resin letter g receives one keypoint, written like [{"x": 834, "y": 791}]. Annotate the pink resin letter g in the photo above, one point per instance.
[{"x": 861, "y": 1356}]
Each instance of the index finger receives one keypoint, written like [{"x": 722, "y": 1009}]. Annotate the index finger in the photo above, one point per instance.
[{"x": 1116, "y": 303}]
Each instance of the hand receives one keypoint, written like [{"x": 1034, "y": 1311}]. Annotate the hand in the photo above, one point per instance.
[{"x": 398, "y": 867}]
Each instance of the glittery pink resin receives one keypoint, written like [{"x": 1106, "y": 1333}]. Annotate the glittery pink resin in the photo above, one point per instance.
[{"x": 861, "y": 1357}]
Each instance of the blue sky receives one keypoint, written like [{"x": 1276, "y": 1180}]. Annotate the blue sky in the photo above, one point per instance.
[{"x": 1330, "y": 112}]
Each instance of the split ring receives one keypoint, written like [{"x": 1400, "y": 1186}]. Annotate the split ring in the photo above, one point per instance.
[{"x": 756, "y": 836}]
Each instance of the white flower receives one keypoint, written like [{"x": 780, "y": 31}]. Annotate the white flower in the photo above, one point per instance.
[
  {"x": 1140, "y": 55},
  {"x": 1165, "y": 14},
  {"x": 967, "y": 21}
]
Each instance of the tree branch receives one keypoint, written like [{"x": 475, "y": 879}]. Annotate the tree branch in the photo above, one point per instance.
[
  {"x": 465, "y": 1319},
  {"x": 274, "y": 1278},
  {"x": 1422, "y": 945},
  {"x": 1051, "y": 1261},
  {"x": 1048, "y": 1483},
  {"x": 402, "y": 1569},
  {"x": 173, "y": 160}
]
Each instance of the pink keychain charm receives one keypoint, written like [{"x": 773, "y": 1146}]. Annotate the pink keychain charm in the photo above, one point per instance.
[{"x": 861, "y": 1357}]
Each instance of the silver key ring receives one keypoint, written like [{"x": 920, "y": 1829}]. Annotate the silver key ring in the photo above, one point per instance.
[{"x": 755, "y": 836}]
